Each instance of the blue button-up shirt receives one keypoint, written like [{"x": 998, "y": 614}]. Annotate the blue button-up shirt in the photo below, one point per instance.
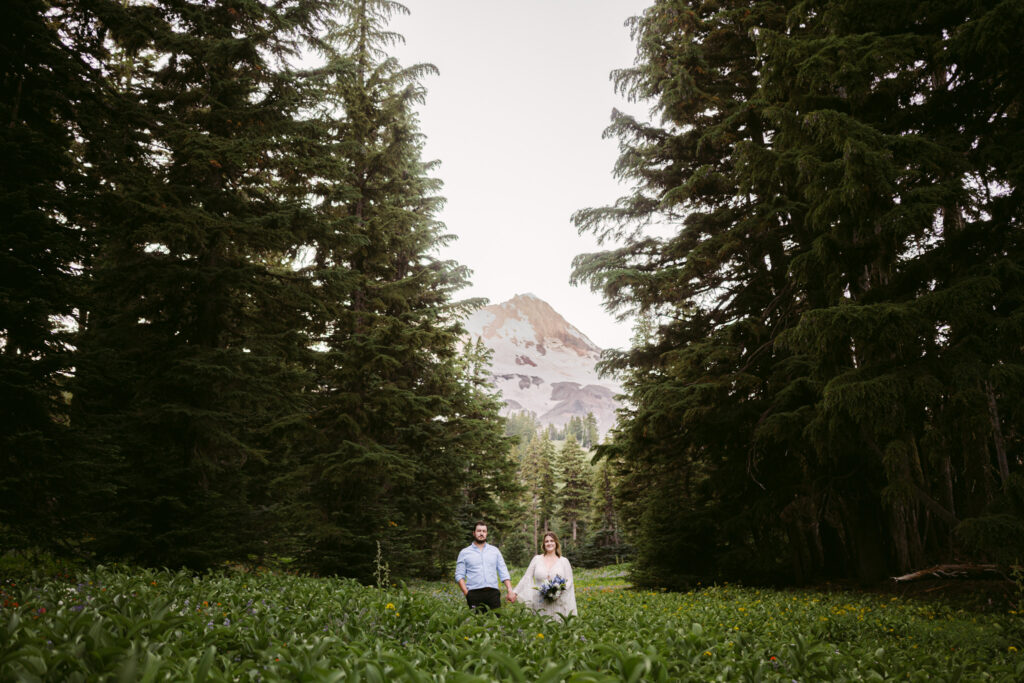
[{"x": 480, "y": 566}]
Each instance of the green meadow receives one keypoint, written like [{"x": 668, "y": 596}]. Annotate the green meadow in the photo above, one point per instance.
[{"x": 121, "y": 624}]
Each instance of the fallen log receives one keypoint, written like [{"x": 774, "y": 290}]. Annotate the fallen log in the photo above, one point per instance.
[{"x": 957, "y": 571}]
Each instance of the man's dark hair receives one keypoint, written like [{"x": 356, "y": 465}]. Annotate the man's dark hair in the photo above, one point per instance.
[{"x": 480, "y": 523}]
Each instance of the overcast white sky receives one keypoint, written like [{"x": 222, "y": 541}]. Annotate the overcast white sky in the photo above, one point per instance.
[{"x": 515, "y": 118}]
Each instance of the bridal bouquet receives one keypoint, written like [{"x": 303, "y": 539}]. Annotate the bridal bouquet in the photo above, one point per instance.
[{"x": 551, "y": 589}]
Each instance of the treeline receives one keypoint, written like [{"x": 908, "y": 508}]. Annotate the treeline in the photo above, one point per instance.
[
  {"x": 224, "y": 331},
  {"x": 824, "y": 242},
  {"x": 561, "y": 491},
  {"x": 583, "y": 429}
]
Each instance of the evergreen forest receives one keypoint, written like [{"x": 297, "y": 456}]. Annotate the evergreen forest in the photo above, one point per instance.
[
  {"x": 227, "y": 336},
  {"x": 823, "y": 238},
  {"x": 225, "y": 333}
]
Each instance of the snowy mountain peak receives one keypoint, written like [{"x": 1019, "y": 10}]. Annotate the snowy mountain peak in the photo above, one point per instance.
[
  {"x": 542, "y": 363},
  {"x": 528, "y": 320}
]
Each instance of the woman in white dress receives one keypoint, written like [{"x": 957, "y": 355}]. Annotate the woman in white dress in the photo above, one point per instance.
[{"x": 544, "y": 568}]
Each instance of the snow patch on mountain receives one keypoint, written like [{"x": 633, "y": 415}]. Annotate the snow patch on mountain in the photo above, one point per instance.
[{"x": 542, "y": 363}]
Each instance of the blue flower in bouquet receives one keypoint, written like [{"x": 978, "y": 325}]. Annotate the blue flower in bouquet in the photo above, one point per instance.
[{"x": 551, "y": 589}]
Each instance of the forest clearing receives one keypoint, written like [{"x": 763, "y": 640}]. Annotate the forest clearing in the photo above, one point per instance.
[
  {"x": 115, "y": 623},
  {"x": 235, "y": 327}
]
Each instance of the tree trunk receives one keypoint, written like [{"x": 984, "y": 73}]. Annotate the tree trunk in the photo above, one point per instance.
[
  {"x": 536, "y": 523},
  {"x": 997, "y": 434}
]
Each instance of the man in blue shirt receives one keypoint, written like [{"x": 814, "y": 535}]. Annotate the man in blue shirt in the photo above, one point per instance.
[{"x": 478, "y": 570}]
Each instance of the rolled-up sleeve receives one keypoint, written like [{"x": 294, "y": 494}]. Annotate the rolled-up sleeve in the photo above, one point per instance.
[
  {"x": 460, "y": 567},
  {"x": 503, "y": 574}
]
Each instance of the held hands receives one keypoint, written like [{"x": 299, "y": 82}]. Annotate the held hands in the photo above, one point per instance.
[{"x": 512, "y": 596}]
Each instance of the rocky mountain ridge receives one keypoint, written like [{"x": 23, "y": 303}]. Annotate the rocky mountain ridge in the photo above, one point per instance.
[{"x": 543, "y": 364}]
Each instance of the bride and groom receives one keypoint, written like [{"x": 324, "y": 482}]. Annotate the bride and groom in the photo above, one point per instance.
[{"x": 547, "y": 587}]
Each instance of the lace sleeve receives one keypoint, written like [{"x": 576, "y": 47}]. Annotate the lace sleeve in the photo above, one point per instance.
[
  {"x": 526, "y": 582},
  {"x": 569, "y": 597}
]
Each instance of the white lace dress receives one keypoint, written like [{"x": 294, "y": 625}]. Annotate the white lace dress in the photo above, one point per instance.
[{"x": 536, "y": 574}]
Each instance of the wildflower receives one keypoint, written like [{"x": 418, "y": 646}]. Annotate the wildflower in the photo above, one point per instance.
[
  {"x": 390, "y": 605},
  {"x": 707, "y": 652},
  {"x": 540, "y": 635},
  {"x": 1012, "y": 649}
]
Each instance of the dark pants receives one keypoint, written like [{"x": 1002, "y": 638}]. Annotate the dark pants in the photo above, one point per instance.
[{"x": 483, "y": 599}]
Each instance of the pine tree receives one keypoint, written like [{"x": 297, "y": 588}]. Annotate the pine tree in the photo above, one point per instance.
[
  {"x": 610, "y": 495},
  {"x": 538, "y": 478},
  {"x": 709, "y": 369},
  {"x": 604, "y": 516},
  {"x": 487, "y": 467},
  {"x": 48, "y": 103},
  {"x": 906, "y": 344},
  {"x": 591, "y": 436},
  {"x": 522, "y": 426},
  {"x": 406, "y": 446},
  {"x": 574, "y": 494},
  {"x": 830, "y": 317},
  {"x": 191, "y": 348}
]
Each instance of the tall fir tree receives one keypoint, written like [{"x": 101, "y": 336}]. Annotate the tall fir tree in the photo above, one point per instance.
[
  {"x": 491, "y": 490},
  {"x": 536, "y": 473},
  {"x": 810, "y": 402},
  {"x": 402, "y": 427},
  {"x": 268, "y": 356},
  {"x": 907, "y": 344},
  {"x": 574, "y": 493},
  {"x": 591, "y": 435},
  {"x": 604, "y": 517},
  {"x": 189, "y": 369},
  {"x": 718, "y": 289},
  {"x": 522, "y": 426},
  {"x": 50, "y": 102}
]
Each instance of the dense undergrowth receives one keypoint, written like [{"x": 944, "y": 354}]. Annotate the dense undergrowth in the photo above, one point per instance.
[{"x": 116, "y": 623}]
